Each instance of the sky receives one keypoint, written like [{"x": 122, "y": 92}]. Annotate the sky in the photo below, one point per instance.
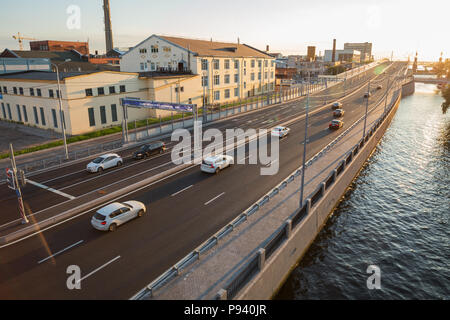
[{"x": 287, "y": 26}]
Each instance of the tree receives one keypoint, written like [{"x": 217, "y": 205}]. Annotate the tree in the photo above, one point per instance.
[
  {"x": 442, "y": 69},
  {"x": 446, "y": 96}
]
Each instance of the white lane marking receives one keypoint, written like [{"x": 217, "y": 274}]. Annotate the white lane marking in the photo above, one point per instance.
[
  {"x": 271, "y": 162},
  {"x": 99, "y": 268},
  {"x": 37, "y": 184},
  {"x": 61, "y": 251},
  {"x": 206, "y": 203},
  {"x": 174, "y": 194}
]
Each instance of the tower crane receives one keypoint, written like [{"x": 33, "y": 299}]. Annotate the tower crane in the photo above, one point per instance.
[{"x": 19, "y": 38}]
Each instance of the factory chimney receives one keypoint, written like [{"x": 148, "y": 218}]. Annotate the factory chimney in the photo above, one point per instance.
[
  {"x": 333, "y": 56},
  {"x": 108, "y": 29}
]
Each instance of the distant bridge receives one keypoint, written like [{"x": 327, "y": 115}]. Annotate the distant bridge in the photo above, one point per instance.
[{"x": 431, "y": 80}]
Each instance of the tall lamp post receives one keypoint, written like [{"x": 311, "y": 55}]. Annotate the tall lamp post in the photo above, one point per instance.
[
  {"x": 63, "y": 126},
  {"x": 367, "y": 107},
  {"x": 304, "y": 146}
]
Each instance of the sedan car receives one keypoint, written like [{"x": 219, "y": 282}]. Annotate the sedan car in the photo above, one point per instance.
[
  {"x": 216, "y": 163},
  {"x": 336, "y": 124},
  {"x": 104, "y": 162},
  {"x": 113, "y": 215},
  {"x": 336, "y": 105},
  {"x": 367, "y": 95},
  {"x": 338, "y": 113},
  {"x": 379, "y": 87},
  {"x": 149, "y": 149},
  {"x": 280, "y": 131}
]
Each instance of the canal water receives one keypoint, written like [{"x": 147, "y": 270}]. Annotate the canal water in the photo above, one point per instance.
[{"x": 396, "y": 216}]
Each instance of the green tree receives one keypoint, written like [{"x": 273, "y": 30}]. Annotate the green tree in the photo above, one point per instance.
[
  {"x": 442, "y": 69},
  {"x": 446, "y": 96}
]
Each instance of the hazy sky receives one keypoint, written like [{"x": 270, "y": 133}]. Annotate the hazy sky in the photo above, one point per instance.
[{"x": 287, "y": 26}]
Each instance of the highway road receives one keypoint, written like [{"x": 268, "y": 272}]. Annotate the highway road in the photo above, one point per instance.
[{"x": 183, "y": 211}]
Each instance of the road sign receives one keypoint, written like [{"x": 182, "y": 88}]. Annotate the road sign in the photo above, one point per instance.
[{"x": 10, "y": 179}]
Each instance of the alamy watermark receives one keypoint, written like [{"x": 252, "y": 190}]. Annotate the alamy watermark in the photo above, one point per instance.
[
  {"x": 374, "y": 281},
  {"x": 73, "y": 21}
]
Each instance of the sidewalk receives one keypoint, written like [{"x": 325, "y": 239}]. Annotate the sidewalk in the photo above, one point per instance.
[{"x": 205, "y": 277}]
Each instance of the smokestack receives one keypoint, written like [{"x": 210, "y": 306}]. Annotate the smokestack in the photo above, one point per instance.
[
  {"x": 238, "y": 40},
  {"x": 267, "y": 48},
  {"x": 333, "y": 56},
  {"x": 108, "y": 29}
]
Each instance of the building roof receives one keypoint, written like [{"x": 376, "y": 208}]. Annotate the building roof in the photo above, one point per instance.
[
  {"x": 213, "y": 48},
  {"x": 52, "y": 55},
  {"x": 41, "y": 75}
]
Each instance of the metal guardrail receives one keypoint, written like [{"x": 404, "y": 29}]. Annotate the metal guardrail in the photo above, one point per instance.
[{"x": 214, "y": 240}]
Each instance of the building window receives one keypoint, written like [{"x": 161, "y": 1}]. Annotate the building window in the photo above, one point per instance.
[
  {"x": 236, "y": 64},
  {"x": 245, "y": 63},
  {"x": 36, "y": 118},
  {"x": 265, "y": 75},
  {"x": 217, "y": 80},
  {"x": 167, "y": 49},
  {"x": 272, "y": 63},
  {"x": 236, "y": 92},
  {"x": 5, "y": 90},
  {"x": 227, "y": 93},
  {"x": 3, "y": 111},
  {"x": 143, "y": 50},
  {"x": 154, "y": 49},
  {"x": 259, "y": 75},
  {"x": 57, "y": 94},
  {"x": 21, "y": 90},
  {"x": 114, "y": 112},
  {"x": 50, "y": 93},
  {"x": 38, "y": 91},
  {"x": 245, "y": 85},
  {"x": 15, "y": 90},
  {"x": 227, "y": 64},
  {"x": 19, "y": 114},
  {"x": 216, "y": 64},
  {"x": 112, "y": 90},
  {"x": 25, "y": 115},
  {"x": 245, "y": 72},
  {"x": 236, "y": 78},
  {"x": 31, "y": 92},
  {"x": 271, "y": 75},
  {"x": 103, "y": 114},
  {"x": 227, "y": 78},
  {"x": 204, "y": 64},
  {"x": 42, "y": 116},
  {"x": 9, "y": 111},
  {"x": 91, "y": 117},
  {"x": 100, "y": 91},
  {"x": 253, "y": 63},
  {"x": 266, "y": 63},
  {"x": 204, "y": 81},
  {"x": 142, "y": 66},
  {"x": 55, "y": 120},
  {"x": 122, "y": 88},
  {"x": 259, "y": 64},
  {"x": 152, "y": 66},
  {"x": 179, "y": 89},
  {"x": 88, "y": 92},
  {"x": 252, "y": 76},
  {"x": 217, "y": 95}
]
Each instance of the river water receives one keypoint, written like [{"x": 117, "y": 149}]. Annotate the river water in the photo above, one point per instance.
[{"x": 395, "y": 217}]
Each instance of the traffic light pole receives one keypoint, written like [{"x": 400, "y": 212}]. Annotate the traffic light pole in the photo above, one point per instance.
[{"x": 17, "y": 186}]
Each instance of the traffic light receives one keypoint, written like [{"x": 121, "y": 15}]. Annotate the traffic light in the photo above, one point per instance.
[
  {"x": 10, "y": 179},
  {"x": 22, "y": 179}
]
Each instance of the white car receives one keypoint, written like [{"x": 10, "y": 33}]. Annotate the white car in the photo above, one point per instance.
[
  {"x": 216, "y": 163},
  {"x": 280, "y": 131},
  {"x": 104, "y": 162},
  {"x": 113, "y": 215}
]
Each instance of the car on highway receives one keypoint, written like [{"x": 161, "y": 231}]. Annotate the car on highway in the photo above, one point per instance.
[
  {"x": 216, "y": 163},
  {"x": 104, "y": 162},
  {"x": 148, "y": 150},
  {"x": 367, "y": 95},
  {"x": 379, "y": 87},
  {"x": 113, "y": 215},
  {"x": 336, "y": 124},
  {"x": 336, "y": 105},
  {"x": 338, "y": 113},
  {"x": 280, "y": 132}
]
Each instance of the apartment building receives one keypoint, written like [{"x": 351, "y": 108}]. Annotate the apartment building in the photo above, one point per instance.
[
  {"x": 227, "y": 71},
  {"x": 90, "y": 100}
]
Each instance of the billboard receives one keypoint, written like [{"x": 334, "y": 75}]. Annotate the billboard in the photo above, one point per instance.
[{"x": 177, "y": 107}]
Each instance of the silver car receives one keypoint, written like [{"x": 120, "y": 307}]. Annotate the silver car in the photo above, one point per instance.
[
  {"x": 113, "y": 215},
  {"x": 104, "y": 162}
]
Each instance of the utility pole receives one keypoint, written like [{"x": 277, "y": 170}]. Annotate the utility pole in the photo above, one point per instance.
[
  {"x": 63, "y": 125},
  {"x": 304, "y": 149},
  {"x": 16, "y": 184},
  {"x": 367, "y": 107},
  {"x": 387, "y": 91}
]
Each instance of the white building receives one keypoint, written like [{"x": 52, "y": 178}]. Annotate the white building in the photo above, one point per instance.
[{"x": 227, "y": 71}]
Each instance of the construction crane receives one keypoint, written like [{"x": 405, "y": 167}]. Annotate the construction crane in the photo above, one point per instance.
[{"x": 20, "y": 38}]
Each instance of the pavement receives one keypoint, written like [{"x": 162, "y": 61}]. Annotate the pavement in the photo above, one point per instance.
[{"x": 184, "y": 210}]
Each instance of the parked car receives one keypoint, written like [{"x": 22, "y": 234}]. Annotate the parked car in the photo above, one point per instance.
[
  {"x": 149, "y": 149},
  {"x": 104, "y": 162},
  {"x": 336, "y": 124},
  {"x": 280, "y": 131},
  {"x": 113, "y": 215},
  {"x": 216, "y": 163},
  {"x": 338, "y": 112},
  {"x": 336, "y": 105}
]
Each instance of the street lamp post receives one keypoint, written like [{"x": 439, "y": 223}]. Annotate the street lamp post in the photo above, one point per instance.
[
  {"x": 63, "y": 127},
  {"x": 387, "y": 91},
  {"x": 304, "y": 147},
  {"x": 367, "y": 107}
]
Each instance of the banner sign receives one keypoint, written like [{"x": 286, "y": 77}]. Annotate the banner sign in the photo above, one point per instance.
[{"x": 157, "y": 105}]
